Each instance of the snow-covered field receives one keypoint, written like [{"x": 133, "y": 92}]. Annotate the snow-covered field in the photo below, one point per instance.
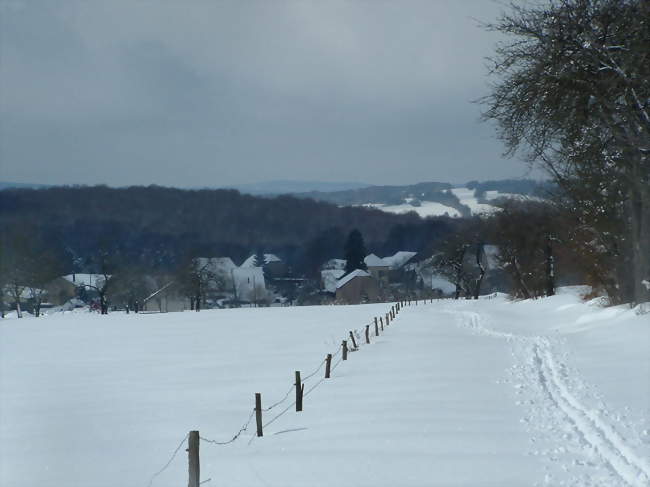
[
  {"x": 467, "y": 198},
  {"x": 468, "y": 393},
  {"x": 432, "y": 208},
  {"x": 426, "y": 208}
]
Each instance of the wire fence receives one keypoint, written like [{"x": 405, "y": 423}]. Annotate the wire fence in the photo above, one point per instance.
[
  {"x": 169, "y": 462},
  {"x": 358, "y": 336},
  {"x": 235, "y": 436}
]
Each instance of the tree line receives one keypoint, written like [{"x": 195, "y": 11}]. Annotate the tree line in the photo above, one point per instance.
[{"x": 572, "y": 94}]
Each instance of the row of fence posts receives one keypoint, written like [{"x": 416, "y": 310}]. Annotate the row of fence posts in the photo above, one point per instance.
[{"x": 194, "y": 437}]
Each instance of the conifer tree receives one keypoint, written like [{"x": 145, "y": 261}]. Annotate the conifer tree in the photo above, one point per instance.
[{"x": 355, "y": 252}]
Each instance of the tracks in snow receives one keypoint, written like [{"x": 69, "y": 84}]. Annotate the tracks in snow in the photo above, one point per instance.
[
  {"x": 595, "y": 432},
  {"x": 563, "y": 408}
]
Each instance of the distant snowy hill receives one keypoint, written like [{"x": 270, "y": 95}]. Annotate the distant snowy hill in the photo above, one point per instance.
[{"x": 436, "y": 198}]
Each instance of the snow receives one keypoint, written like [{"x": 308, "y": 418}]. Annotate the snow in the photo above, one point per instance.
[
  {"x": 426, "y": 209},
  {"x": 329, "y": 277},
  {"x": 373, "y": 261},
  {"x": 355, "y": 273},
  {"x": 268, "y": 258},
  {"x": 397, "y": 260},
  {"x": 89, "y": 280},
  {"x": 467, "y": 198},
  {"x": 484, "y": 393},
  {"x": 217, "y": 265},
  {"x": 493, "y": 195}
]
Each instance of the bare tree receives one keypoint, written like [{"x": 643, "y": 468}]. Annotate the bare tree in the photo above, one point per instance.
[{"x": 27, "y": 264}]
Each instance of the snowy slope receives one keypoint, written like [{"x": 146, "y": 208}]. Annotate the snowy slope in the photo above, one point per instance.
[
  {"x": 488, "y": 392},
  {"x": 432, "y": 208},
  {"x": 426, "y": 208},
  {"x": 467, "y": 198}
]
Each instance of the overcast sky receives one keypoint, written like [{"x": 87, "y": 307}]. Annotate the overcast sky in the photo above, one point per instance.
[{"x": 208, "y": 93}]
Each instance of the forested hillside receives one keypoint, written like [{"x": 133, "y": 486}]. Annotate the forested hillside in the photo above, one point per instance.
[{"x": 161, "y": 226}]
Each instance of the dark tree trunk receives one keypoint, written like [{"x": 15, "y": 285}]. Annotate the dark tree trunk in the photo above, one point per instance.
[
  {"x": 459, "y": 270},
  {"x": 550, "y": 267},
  {"x": 639, "y": 210},
  {"x": 519, "y": 279},
  {"x": 103, "y": 304},
  {"x": 479, "y": 263}
]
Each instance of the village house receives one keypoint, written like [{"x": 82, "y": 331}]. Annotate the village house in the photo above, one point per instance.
[
  {"x": 273, "y": 266},
  {"x": 357, "y": 287},
  {"x": 378, "y": 268},
  {"x": 249, "y": 285},
  {"x": 329, "y": 278}
]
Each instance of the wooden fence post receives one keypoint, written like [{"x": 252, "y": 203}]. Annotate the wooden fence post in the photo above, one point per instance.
[
  {"x": 258, "y": 412},
  {"x": 387, "y": 320},
  {"x": 367, "y": 334},
  {"x": 376, "y": 327},
  {"x": 193, "y": 459},
  {"x": 328, "y": 364},
  {"x": 354, "y": 342},
  {"x": 344, "y": 349},
  {"x": 381, "y": 322},
  {"x": 300, "y": 389}
]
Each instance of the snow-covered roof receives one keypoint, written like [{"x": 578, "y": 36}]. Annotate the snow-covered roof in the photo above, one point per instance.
[
  {"x": 330, "y": 277},
  {"x": 398, "y": 260},
  {"x": 91, "y": 280},
  {"x": 335, "y": 264},
  {"x": 268, "y": 258},
  {"x": 216, "y": 265},
  {"x": 356, "y": 273},
  {"x": 373, "y": 261}
]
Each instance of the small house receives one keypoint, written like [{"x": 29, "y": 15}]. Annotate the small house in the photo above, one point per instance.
[
  {"x": 378, "y": 268},
  {"x": 273, "y": 265},
  {"x": 329, "y": 278},
  {"x": 357, "y": 287}
]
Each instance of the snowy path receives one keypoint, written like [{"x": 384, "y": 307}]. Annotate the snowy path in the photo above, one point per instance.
[
  {"x": 587, "y": 446},
  {"x": 465, "y": 393}
]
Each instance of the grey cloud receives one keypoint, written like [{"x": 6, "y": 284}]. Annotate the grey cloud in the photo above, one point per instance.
[{"x": 197, "y": 93}]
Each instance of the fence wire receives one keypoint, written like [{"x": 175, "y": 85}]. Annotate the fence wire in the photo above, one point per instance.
[
  {"x": 234, "y": 438},
  {"x": 320, "y": 366},
  {"x": 359, "y": 335},
  {"x": 169, "y": 462},
  {"x": 286, "y": 396}
]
